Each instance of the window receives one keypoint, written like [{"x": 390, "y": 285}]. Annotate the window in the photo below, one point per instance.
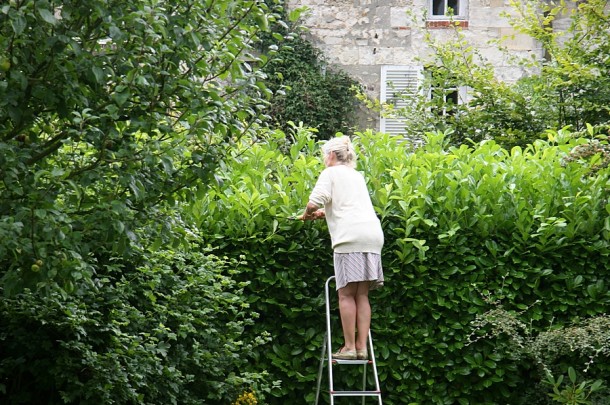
[
  {"x": 445, "y": 9},
  {"x": 441, "y": 7},
  {"x": 396, "y": 83},
  {"x": 450, "y": 98},
  {"x": 443, "y": 91}
]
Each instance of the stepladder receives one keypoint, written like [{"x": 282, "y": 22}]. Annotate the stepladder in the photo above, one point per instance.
[{"x": 368, "y": 366}]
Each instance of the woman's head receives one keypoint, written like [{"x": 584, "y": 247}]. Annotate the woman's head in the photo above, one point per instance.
[{"x": 343, "y": 149}]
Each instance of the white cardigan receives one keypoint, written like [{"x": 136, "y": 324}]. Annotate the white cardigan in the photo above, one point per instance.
[{"x": 351, "y": 219}]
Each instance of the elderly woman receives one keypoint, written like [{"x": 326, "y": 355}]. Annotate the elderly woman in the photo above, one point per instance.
[{"x": 341, "y": 196}]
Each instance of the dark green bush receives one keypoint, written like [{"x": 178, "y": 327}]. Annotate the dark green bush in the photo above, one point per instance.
[
  {"x": 467, "y": 229},
  {"x": 307, "y": 90},
  {"x": 168, "y": 332}
]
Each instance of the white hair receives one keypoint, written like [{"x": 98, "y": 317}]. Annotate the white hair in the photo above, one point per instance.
[{"x": 343, "y": 148}]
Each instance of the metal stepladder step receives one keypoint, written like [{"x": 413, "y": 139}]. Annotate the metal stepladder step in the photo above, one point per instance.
[{"x": 327, "y": 356}]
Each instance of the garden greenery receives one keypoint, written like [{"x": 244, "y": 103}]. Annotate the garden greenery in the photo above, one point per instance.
[
  {"x": 168, "y": 331},
  {"x": 147, "y": 253},
  {"x": 466, "y": 228}
]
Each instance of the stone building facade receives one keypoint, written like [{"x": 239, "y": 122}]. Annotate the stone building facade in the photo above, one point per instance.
[{"x": 374, "y": 39}]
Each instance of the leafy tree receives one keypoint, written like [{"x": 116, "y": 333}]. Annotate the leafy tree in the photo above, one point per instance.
[
  {"x": 111, "y": 114},
  {"x": 574, "y": 76},
  {"x": 494, "y": 108},
  {"x": 109, "y": 109}
]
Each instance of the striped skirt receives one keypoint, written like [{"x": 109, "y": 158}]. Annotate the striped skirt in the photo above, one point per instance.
[{"x": 358, "y": 266}]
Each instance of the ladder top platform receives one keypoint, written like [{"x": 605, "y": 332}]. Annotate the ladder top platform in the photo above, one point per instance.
[{"x": 352, "y": 362}]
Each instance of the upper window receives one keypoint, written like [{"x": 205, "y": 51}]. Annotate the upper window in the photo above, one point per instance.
[{"x": 444, "y": 9}]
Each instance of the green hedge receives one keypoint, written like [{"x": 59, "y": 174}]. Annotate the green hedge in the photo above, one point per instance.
[{"x": 468, "y": 230}]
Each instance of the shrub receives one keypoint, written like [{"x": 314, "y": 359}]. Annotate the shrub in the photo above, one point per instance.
[
  {"x": 465, "y": 227},
  {"x": 169, "y": 332},
  {"x": 308, "y": 91}
]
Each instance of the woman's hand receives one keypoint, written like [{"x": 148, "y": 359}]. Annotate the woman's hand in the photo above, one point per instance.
[
  {"x": 312, "y": 213},
  {"x": 319, "y": 214}
]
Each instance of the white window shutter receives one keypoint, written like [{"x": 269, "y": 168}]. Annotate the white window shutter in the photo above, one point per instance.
[{"x": 397, "y": 81}]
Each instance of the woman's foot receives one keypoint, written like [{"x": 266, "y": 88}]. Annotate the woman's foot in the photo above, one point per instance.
[
  {"x": 343, "y": 354},
  {"x": 362, "y": 354}
]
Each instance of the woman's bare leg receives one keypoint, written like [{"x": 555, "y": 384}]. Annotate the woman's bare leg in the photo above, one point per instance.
[
  {"x": 348, "y": 311},
  {"x": 363, "y": 314}
]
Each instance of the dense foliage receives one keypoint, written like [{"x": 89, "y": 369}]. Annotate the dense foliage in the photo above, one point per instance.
[
  {"x": 111, "y": 112},
  {"x": 166, "y": 332},
  {"x": 108, "y": 110},
  {"x": 307, "y": 90},
  {"x": 471, "y": 232}
]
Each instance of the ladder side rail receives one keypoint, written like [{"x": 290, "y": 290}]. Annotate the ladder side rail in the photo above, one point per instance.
[
  {"x": 364, "y": 382},
  {"x": 329, "y": 341},
  {"x": 374, "y": 362},
  {"x": 320, "y": 369}
]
